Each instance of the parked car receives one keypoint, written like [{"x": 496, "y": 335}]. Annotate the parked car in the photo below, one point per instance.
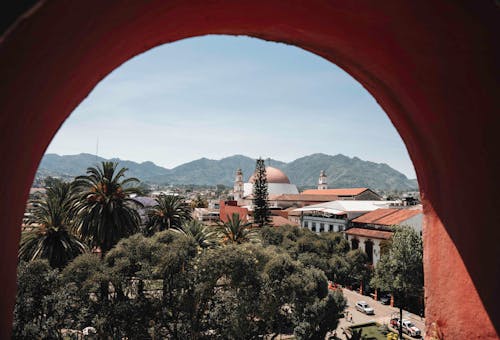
[
  {"x": 408, "y": 327},
  {"x": 363, "y": 307},
  {"x": 385, "y": 299}
]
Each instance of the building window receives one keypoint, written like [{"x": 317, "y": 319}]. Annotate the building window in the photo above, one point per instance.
[
  {"x": 321, "y": 227},
  {"x": 330, "y": 227},
  {"x": 314, "y": 227},
  {"x": 369, "y": 250},
  {"x": 354, "y": 244}
]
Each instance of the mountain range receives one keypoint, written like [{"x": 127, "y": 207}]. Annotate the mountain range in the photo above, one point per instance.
[{"x": 342, "y": 171}]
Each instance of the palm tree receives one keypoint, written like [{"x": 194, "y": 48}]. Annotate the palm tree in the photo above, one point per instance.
[
  {"x": 236, "y": 230},
  {"x": 203, "y": 235},
  {"x": 105, "y": 210},
  {"x": 170, "y": 211},
  {"x": 50, "y": 225}
]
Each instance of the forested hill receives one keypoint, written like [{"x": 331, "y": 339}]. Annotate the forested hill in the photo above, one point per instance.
[{"x": 342, "y": 171}]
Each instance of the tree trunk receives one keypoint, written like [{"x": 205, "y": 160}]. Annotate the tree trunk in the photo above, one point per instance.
[
  {"x": 401, "y": 321},
  {"x": 140, "y": 288},
  {"x": 104, "y": 292}
]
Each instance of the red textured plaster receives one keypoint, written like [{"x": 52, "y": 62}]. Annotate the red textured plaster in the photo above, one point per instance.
[
  {"x": 226, "y": 212},
  {"x": 431, "y": 65}
]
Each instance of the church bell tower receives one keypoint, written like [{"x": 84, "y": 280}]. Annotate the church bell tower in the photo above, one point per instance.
[
  {"x": 322, "y": 183},
  {"x": 238, "y": 185}
]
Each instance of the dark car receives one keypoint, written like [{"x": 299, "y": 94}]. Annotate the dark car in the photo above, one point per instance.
[{"x": 385, "y": 299}]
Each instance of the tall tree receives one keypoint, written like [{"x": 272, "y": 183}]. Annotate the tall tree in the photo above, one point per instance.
[
  {"x": 170, "y": 211},
  {"x": 400, "y": 270},
  {"x": 35, "y": 313},
  {"x": 49, "y": 235},
  {"x": 260, "y": 195},
  {"x": 105, "y": 210}
]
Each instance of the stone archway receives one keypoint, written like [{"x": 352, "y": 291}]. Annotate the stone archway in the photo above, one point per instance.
[{"x": 432, "y": 66}]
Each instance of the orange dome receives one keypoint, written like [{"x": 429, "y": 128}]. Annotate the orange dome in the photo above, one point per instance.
[{"x": 273, "y": 175}]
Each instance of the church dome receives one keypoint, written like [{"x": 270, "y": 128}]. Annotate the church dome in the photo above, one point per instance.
[{"x": 273, "y": 175}]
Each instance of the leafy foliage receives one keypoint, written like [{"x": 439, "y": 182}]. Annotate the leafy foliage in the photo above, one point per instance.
[
  {"x": 168, "y": 286},
  {"x": 400, "y": 270},
  {"x": 203, "y": 235},
  {"x": 36, "y": 315},
  {"x": 104, "y": 208},
  {"x": 49, "y": 235},
  {"x": 170, "y": 211},
  {"x": 235, "y": 230}
]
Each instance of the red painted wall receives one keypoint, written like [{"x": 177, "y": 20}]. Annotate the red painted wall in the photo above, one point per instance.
[
  {"x": 227, "y": 209},
  {"x": 431, "y": 65}
]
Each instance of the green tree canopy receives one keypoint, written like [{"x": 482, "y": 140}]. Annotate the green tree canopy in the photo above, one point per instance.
[
  {"x": 168, "y": 286},
  {"x": 49, "y": 235},
  {"x": 235, "y": 230},
  {"x": 105, "y": 210},
  {"x": 203, "y": 235},
  {"x": 170, "y": 211},
  {"x": 400, "y": 269}
]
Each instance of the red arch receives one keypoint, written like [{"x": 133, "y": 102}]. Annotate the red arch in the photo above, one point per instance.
[{"x": 432, "y": 66}]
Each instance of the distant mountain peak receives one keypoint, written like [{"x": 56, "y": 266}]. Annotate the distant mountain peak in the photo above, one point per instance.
[{"x": 342, "y": 171}]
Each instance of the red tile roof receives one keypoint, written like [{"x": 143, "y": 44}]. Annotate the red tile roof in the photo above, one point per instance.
[
  {"x": 387, "y": 216},
  {"x": 303, "y": 198},
  {"x": 378, "y": 234},
  {"x": 338, "y": 192},
  {"x": 278, "y": 221},
  {"x": 294, "y": 213}
]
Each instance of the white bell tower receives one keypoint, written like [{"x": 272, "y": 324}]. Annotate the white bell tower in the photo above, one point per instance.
[
  {"x": 322, "y": 182},
  {"x": 238, "y": 185}
]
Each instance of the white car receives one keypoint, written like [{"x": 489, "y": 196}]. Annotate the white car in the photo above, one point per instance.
[
  {"x": 363, "y": 307},
  {"x": 410, "y": 328}
]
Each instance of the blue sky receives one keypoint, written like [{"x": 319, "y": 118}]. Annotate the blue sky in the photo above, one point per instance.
[{"x": 217, "y": 96}]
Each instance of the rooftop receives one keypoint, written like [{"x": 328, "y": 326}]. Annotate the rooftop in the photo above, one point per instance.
[
  {"x": 273, "y": 175},
  {"x": 378, "y": 234},
  {"x": 337, "y": 192},
  {"x": 387, "y": 216},
  {"x": 305, "y": 197},
  {"x": 340, "y": 206},
  {"x": 279, "y": 221}
]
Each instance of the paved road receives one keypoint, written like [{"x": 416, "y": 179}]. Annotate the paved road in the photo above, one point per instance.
[{"x": 382, "y": 313}]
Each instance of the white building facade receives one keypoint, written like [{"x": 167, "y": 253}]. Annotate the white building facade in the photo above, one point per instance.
[{"x": 335, "y": 216}]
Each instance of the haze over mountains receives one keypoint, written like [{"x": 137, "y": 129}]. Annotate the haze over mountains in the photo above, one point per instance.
[{"x": 342, "y": 171}]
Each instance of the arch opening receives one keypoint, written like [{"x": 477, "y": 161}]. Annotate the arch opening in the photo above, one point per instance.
[{"x": 426, "y": 96}]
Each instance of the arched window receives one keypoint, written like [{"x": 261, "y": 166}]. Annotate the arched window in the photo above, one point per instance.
[{"x": 354, "y": 244}]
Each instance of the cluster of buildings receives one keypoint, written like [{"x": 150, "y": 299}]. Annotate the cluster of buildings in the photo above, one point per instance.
[{"x": 362, "y": 215}]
